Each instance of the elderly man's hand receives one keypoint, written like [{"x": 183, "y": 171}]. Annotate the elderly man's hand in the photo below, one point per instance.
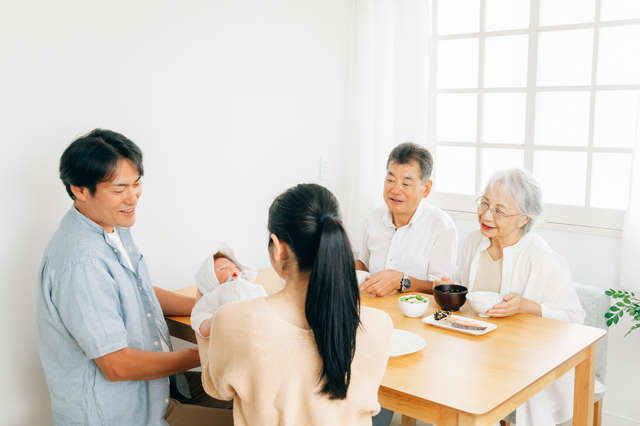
[
  {"x": 515, "y": 304},
  {"x": 382, "y": 283}
]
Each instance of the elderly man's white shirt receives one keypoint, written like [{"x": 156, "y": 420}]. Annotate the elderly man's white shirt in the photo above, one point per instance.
[
  {"x": 424, "y": 248},
  {"x": 534, "y": 270}
]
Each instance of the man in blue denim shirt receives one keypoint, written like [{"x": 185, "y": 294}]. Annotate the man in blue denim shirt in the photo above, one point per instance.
[{"x": 103, "y": 341}]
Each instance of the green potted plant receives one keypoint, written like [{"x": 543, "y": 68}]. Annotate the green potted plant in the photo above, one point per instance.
[{"x": 624, "y": 301}]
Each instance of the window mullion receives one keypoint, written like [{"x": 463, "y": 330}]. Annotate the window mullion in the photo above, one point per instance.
[
  {"x": 592, "y": 105},
  {"x": 480, "y": 98},
  {"x": 534, "y": 9}
]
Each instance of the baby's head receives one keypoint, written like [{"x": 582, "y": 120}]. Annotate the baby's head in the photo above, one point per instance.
[{"x": 224, "y": 268}]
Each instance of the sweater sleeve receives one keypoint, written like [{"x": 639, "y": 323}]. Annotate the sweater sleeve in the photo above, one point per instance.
[
  {"x": 220, "y": 365},
  {"x": 559, "y": 299}
]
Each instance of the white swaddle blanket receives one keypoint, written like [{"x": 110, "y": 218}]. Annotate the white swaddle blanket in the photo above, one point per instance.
[
  {"x": 234, "y": 290},
  {"x": 206, "y": 277}
]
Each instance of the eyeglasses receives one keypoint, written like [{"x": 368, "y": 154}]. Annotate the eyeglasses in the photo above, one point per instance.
[{"x": 497, "y": 212}]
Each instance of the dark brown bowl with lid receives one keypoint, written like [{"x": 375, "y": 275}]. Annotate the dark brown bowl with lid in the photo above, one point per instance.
[{"x": 450, "y": 296}]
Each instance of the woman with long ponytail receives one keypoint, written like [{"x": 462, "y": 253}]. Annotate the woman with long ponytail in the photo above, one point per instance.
[{"x": 310, "y": 354}]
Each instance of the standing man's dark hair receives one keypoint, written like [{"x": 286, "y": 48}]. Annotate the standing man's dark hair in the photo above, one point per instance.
[
  {"x": 407, "y": 152},
  {"x": 306, "y": 218},
  {"x": 93, "y": 158}
]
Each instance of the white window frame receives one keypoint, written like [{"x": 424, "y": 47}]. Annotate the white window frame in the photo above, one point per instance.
[{"x": 586, "y": 218}]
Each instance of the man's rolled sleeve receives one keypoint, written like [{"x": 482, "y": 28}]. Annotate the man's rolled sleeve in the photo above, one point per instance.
[
  {"x": 443, "y": 254},
  {"x": 364, "y": 254},
  {"x": 88, "y": 303}
]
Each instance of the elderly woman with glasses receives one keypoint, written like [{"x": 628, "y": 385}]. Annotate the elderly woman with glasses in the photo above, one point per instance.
[{"x": 506, "y": 257}]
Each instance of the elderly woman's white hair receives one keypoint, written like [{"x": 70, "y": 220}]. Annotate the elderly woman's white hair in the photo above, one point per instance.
[{"x": 525, "y": 190}]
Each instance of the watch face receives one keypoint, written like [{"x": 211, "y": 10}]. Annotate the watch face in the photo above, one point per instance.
[{"x": 406, "y": 283}]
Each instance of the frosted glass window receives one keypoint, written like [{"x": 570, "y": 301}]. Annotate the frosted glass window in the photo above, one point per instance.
[
  {"x": 458, "y": 63},
  {"x": 617, "y": 119},
  {"x": 562, "y": 176},
  {"x": 456, "y": 117},
  {"x": 562, "y": 118},
  {"x": 506, "y": 15},
  {"x": 495, "y": 159},
  {"x": 564, "y": 58},
  {"x": 504, "y": 117},
  {"x": 619, "y": 9},
  {"x": 619, "y": 55},
  {"x": 559, "y": 12},
  {"x": 610, "y": 178},
  {"x": 455, "y": 170},
  {"x": 458, "y": 16},
  {"x": 506, "y": 61}
]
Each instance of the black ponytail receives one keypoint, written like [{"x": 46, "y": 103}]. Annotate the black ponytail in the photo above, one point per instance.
[{"x": 306, "y": 218}]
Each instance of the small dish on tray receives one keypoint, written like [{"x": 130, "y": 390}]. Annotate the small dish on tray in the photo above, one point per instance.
[
  {"x": 404, "y": 342},
  {"x": 462, "y": 324}
]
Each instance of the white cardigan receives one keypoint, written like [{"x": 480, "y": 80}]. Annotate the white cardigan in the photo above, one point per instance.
[{"x": 532, "y": 269}]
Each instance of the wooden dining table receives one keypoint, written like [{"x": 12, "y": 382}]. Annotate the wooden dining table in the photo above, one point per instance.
[{"x": 461, "y": 379}]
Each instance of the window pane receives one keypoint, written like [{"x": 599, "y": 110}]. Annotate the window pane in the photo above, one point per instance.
[
  {"x": 455, "y": 170},
  {"x": 619, "y": 55},
  {"x": 617, "y": 119},
  {"x": 506, "y": 15},
  {"x": 503, "y": 117},
  {"x": 562, "y": 118},
  {"x": 506, "y": 61},
  {"x": 562, "y": 176},
  {"x": 610, "y": 180},
  {"x": 451, "y": 21},
  {"x": 456, "y": 117},
  {"x": 558, "y": 12},
  {"x": 565, "y": 58},
  {"x": 619, "y": 9},
  {"x": 458, "y": 63},
  {"x": 494, "y": 159}
]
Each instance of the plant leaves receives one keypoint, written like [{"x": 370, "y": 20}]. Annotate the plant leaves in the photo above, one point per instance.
[
  {"x": 609, "y": 322},
  {"x": 614, "y": 309},
  {"x": 631, "y": 329},
  {"x": 620, "y": 304},
  {"x": 615, "y": 319},
  {"x": 608, "y": 315},
  {"x": 609, "y": 292}
]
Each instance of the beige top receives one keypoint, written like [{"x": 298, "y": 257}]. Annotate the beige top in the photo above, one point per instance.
[
  {"x": 270, "y": 368},
  {"x": 489, "y": 275}
]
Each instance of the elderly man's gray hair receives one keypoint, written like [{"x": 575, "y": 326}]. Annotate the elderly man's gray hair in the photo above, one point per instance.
[{"x": 525, "y": 190}]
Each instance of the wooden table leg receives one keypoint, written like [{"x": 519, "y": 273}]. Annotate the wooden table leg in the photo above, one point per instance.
[
  {"x": 583, "y": 389},
  {"x": 408, "y": 421},
  {"x": 465, "y": 419},
  {"x": 597, "y": 413}
]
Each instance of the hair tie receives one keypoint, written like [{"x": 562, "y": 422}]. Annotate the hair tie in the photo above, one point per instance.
[{"x": 323, "y": 218}]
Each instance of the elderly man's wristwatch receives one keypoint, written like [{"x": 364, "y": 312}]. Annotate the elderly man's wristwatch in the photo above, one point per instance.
[{"x": 405, "y": 283}]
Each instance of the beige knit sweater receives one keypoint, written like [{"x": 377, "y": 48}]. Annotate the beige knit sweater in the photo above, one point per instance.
[{"x": 270, "y": 368}]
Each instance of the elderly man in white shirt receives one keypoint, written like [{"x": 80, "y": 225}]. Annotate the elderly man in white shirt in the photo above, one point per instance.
[{"x": 408, "y": 241}]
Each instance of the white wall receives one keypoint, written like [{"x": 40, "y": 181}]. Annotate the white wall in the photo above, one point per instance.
[
  {"x": 593, "y": 260},
  {"x": 231, "y": 102}
]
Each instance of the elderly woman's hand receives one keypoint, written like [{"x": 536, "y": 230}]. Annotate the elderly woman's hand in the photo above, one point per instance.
[
  {"x": 443, "y": 280},
  {"x": 512, "y": 304}
]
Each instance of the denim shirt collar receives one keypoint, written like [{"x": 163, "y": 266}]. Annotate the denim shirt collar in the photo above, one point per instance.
[{"x": 134, "y": 255}]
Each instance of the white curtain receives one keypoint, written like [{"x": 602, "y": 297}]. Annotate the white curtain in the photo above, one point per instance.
[
  {"x": 629, "y": 261},
  {"x": 389, "y": 98}
]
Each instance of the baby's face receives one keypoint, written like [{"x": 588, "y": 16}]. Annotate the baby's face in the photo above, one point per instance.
[{"x": 225, "y": 269}]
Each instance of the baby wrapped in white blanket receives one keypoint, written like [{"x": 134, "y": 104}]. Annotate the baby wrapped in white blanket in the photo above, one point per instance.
[{"x": 221, "y": 279}]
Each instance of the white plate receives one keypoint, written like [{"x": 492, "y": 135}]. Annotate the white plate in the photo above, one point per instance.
[
  {"x": 404, "y": 342},
  {"x": 490, "y": 327}
]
